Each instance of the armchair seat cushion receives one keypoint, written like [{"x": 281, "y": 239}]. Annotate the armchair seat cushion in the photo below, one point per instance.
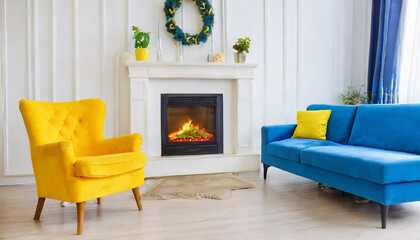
[
  {"x": 371, "y": 164},
  {"x": 109, "y": 165},
  {"x": 290, "y": 148}
]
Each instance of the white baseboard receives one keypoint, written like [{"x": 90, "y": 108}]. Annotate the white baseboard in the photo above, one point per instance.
[
  {"x": 201, "y": 164},
  {"x": 29, "y": 180}
]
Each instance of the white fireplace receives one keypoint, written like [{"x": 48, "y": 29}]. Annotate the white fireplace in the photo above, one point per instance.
[{"x": 149, "y": 80}]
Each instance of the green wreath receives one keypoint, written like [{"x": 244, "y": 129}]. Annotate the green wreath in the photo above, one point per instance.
[{"x": 207, "y": 16}]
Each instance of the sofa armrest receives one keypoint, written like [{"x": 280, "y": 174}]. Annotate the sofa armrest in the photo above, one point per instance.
[
  {"x": 276, "y": 133},
  {"x": 121, "y": 144}
]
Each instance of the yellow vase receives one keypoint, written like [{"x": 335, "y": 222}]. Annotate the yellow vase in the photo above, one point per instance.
[{"x": 142, "y": 54}]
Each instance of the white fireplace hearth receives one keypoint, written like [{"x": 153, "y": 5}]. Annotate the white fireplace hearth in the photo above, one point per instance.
[{"x": 148, "y": 80}]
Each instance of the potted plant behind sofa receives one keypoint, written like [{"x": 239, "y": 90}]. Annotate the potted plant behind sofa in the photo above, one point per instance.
[
  {"x": 354, "y": 96},
  {"x": 241, "y": 46},
  {"x": 141, "y": 43}
]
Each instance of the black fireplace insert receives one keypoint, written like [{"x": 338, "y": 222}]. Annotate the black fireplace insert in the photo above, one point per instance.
[{"x": 191, "y": 124}]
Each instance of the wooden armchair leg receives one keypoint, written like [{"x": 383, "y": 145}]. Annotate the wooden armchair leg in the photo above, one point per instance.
[
  {"x": 39, "y": 207},
  {"x": 98, "y": 200},
  {"x": 80, "y": 216},
  {"x": 138, "y": 198}
]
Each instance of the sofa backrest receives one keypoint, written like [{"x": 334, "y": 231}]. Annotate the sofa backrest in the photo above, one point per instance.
[
  {"x": 340, "y": 122},
  {"x": 393, "y": 127}
]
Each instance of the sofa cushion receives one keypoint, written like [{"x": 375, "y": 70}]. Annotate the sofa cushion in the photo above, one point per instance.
[
  {"x": 340, "y": 122},
  {"x": 290, "y": 148},
  {"x": 393, "y": 127},
  {"x": 109, "y": 165},
  {"x": 375, "y": 165}
]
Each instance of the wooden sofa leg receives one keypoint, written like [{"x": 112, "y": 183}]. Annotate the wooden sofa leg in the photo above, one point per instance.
[
  {"x": 98, "y": 201},
  {"x": 384, "y": 214},
  {"x": 39, "y": 207},
  {"x": 80, "y": 216},
  {"x": 138, "y": 198},
  {"x": 266, "y": 166}
]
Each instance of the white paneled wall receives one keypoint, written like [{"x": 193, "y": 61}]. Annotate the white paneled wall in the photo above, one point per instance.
[
  {"x": 360, "y": 45},
  {"x": 59, "y": 50},
  {"x": 314, "y": 50}
]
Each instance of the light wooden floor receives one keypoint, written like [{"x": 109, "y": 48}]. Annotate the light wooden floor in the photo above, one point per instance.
[{"x": 283, "y": 207}]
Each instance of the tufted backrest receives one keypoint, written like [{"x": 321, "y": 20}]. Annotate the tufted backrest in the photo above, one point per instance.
[{"x": 80, "y": 122}]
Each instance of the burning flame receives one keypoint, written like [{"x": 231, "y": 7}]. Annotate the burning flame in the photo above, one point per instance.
[
  {"x": 188, "y": 126},
  {"x": 190, "y": 133}
]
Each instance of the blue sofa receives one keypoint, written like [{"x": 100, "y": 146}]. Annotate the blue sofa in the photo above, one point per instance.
[{"x": 372, "y": 151}]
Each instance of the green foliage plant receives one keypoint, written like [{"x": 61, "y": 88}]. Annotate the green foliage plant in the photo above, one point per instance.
[
  {"x": 242, "y": 45},
  {"x": 141, "y": 38},
  {"x": 354, "y": 96}
]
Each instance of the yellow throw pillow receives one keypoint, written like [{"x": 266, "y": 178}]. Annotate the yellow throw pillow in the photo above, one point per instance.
[{"x": 312, "y": 124}]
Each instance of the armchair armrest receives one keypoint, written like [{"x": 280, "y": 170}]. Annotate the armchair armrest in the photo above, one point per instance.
[
  {"x": 53, "y": 164},
  {"x": 121, "y": 144},
  {"x": 276, "y": 133}
]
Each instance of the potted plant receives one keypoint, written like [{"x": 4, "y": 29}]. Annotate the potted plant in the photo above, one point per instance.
[
  {"x": 354, "y": 96},
  {"x": 142, "y": 40},
  {"x": 241, "y": 46}
]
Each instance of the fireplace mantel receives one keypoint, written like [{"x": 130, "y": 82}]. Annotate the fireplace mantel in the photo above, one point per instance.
[
  {"x": 202, "y": 70},
  {"x": 235, "y": 81}
]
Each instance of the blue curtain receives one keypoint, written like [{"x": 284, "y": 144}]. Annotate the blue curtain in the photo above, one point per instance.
[{"x": 383, "y": 76}]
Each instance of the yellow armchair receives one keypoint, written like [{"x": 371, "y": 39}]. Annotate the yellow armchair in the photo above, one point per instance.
[{"x": 72, "y": 161}]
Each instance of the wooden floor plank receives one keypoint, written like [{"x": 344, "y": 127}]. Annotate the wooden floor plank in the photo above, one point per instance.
[{"x": 282, "y": 207}]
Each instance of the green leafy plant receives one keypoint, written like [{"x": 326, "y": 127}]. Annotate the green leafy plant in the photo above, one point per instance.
[
  {"x": 354, "y": 96},
  {"x": 242, "y": 45},
  {"x": 324, "y": 187},
  {"x": 141, "y": 38}
]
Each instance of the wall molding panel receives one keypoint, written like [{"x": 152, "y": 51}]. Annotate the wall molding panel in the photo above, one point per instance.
[
  {"x": 45, "y": 62},
  {"x": 284, "y": 56},
  {"x": 30, "y": 47},
  {"x": 224, "y": 20},
  {"x": 266, "y": 73},
  {"x": 36, "y": 58},
  {"x": 298, "y": 52},
  {"x": 76, "y": 50},
  {"x": 117, "y": 93},
  {"x": 54, "y": 50},
  {"x": 4, "y": 81},
  {"x": 360, "y": 41},
  {"x": 103, "y": 43},
  {"x": 332, "y": 82}
]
